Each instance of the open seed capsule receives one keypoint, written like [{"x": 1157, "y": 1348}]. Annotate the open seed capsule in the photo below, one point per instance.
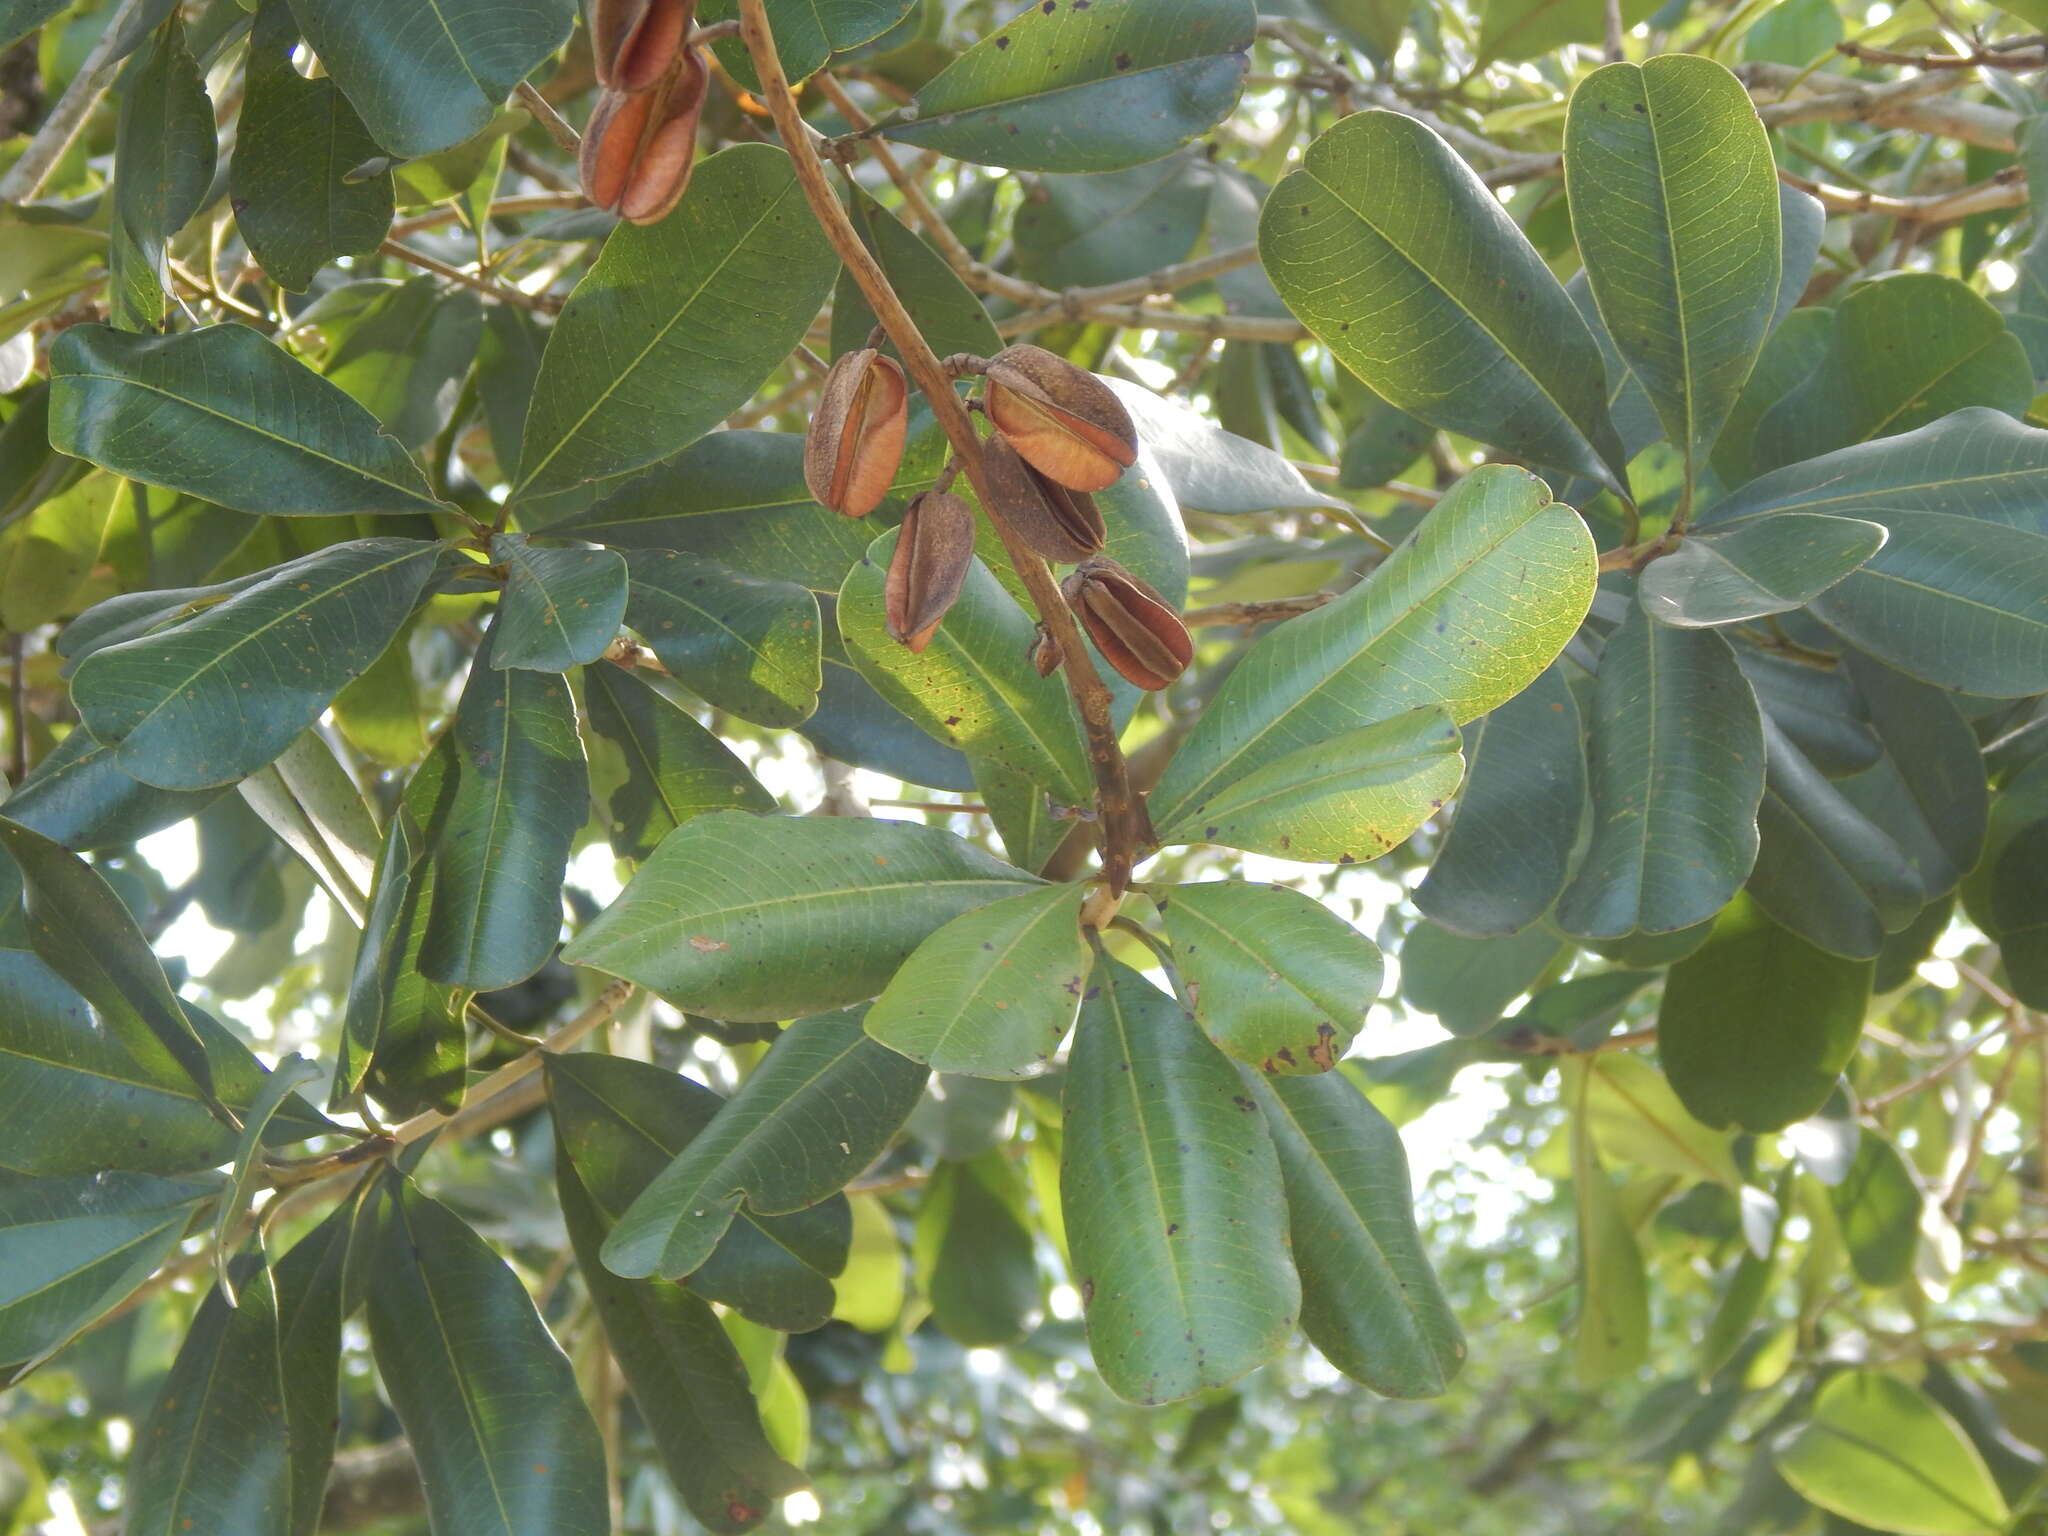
[
  {"x": 633, "y": 42},
  {"x": 1059, "y": 524},
  {"x": 934, "y": 550},
  {"x": 639, "y": 147},
  {"x": 1067, "y": 423},
  {"x": 856, "y": 437},
  {"x": 1134, "y": 628}
]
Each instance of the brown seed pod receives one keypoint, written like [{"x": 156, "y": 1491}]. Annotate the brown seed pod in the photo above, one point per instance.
[
  {"x": 856, "y": 436},
  {"x": 640, "y": 146},
  {"x": 1066, "y": 422},
  {"x": 1059, "y": 524},
  {"x": 1135, "y": 628},
  {"x": 1045, "y": 653},
  {"x": 934, "y": 549},
  {"x": 633, "y": 42}
]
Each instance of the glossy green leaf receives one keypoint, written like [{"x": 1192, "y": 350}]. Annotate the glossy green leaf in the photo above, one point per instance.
[
  {"x": 73, "y": 1247},
  {"x": 1369, "y": 1299},
  {"x": 164, "y": 155},
  {"x": 1877, "y": 1205},
  {"x": 1792, "y": 354},
  {"x": 1757, "y": 1024},
  {"x": 504, "y": 1444},
  {"x": 77, "y": 797},
  {"x": 973, "y": 687},
  {"x": 425, "y": 76},
  {"x": 562, "y": 607},
  {"x": 295, "y": 144},
  {"x": 946, "y": 311},
  {"x": 622, "y": 1122},
  {"x": 1928, "y": 789},
  {"x": 1762, "y": 566},
  {"x": 1906, "y": 349},
  {"x": 768, "y": 917},
  {"x": 217, "y": 696},
  {"x": 974, "y": 1255},
  {"x": 677, "y": 323},
  {"x": 993, "y": 992},
  {"x": 820, "y": 1107},
  {"x": 1211, "y": 469},
  {"x": 687, "y": 1379},
  {"x": 1612, "y": 1335},
  {"x": 1677, "y": 769},
  {"x": 1022, "y": 815},
  {"x": 746, "y": 644},
  {"x": 1674, "y": 201},
  {"x": 310, "y": 801},
  {"x": 857, "y": 725},
  {"x": 806, "y": 32},
  {"x": 1079, "y": 231},
  {"x": 1275, "y": 978},
  {"x": 1877, "y": 1451},
  {"x": 242, "y": 1435},
  {"x": 1405, "y": 265},
  {"x": 224, "y": 415},
  {"x": 521, "y": 793},
  {"x": 1465, "y": 614},
  {"x": 1509, "y": 848},
  {"x": 1529, "y": 29},
  {"x": 404, "y": 357},
  {"x": 79, "y": 926},
  {"x": 1095, "y": 88},
  {"x": 1469, "y": 983},
  {"x": 674, "y": 768},
  {"x": 1171, "y": 1191}
]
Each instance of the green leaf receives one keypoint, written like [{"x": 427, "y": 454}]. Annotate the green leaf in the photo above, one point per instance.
[
  {"x": 974, "y": 1254},
  {"x": 504, "y": 1444},
  {"x": 1344, "y": 800},
  {"x": 993, "y": 992},
  {"x": 1761, "y": 566},
  {"x": 1113, "y": 84},
  {"x": 79, "y": 926},
  {"x": 1879, "y": 1452},
  {"x": 737, "y": 498},
  {"x": 379, "y": 713},
  {"x": 1469, "y": 983},
  {"x": 562, "y": 607},
  {"x": 77, "y": 797},
  {"x": 47, "y": 555},
  {"x": 520, "y": 794},
  {"x": 820, "y": 1107},
  {"x": 1952, "y": 600},
  {"x": 1928, "y": 789},
  {"x": 242, "y": 1435},
  {"x": 1275, "y": 978},
  {"x": 806, "y": 32},
  {"x": 224, "y": 415},
  {"x": 1509, "y": 849},
  {"x": 1674, "y": 201},
  {"x": 1877, "y": 1206},
  {"x": 1171, "y": 1191},
  {"x": 215, "y": 697},
  {"x": 295, "y": 144},
  {"x": 747, "y": 644},
  {"x": 1369, "y": 1299},
  {"x": 1404, "y": 264},
  {"x": 18, "y": 18},
  {"x": 163, "y": 165},
  {"x": 973, "y": 687},
  {"x": 404, "y": 356},
  {"x": 677, "y": 323},
  {"x": 857, "y": 725},
  {"x": 1637, "y": 1117},
  {"x": 674, "y": 768},
  {"x": 622, "y": 1122},
  {"x": 1906, "y": 349},
  {"x": 1079, "y": 231},
  {"x": 310, "y": 801},
  {"x": 284, "y": 1079},
  {"x": 1613, "y": 1333},
  {"x": 1211, "y": 469},
  {"x": 1677, "y": 769},
  {"x": 1022, "y": 814},
  {"x": 946, "y": 310},
  {"x": 1791, "y": 355},
  {"x": 687, "y": 1379},
  {"x": 425, "y": 76},
  {"x": 74, "y": 1247},
  {"x": 1465, "y": 614},
  {"x": 756, "y": 918},
  {"x": 1757, "y": 1024},
  {"x": 1529, "y": 29}
]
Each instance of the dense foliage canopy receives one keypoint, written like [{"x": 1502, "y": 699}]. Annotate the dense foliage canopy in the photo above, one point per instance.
[{"x": 766, "y": 760}]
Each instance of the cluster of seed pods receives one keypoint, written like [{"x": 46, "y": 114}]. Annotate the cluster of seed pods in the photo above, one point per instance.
[
  {"x": 1061, "y": 435},
  {"x": 642, "y": 137}
]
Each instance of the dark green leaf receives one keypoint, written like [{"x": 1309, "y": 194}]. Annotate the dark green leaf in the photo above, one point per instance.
[
  {"x": 428, "y": 76},
  {"x": 562, "y": 607},
  {"x": 1464, "y": 614},
  {"x": 504, "y": 1444},
  {"x": 1022, "y": 814},
  {"x": 1369, "y": 1299},
  {"x": 77, "y": 797},
  {"x": 1757, "y": 1024},
  {"x": 806, "y": 32},
  {"x": 404, "y": 357},
  {"x": 1762, "y": 566},
  {"x": 1404, "y": 264},
  {"x": 1928, "y": 789},
  {"x": 1510, "y": 846},
  {"x": 1113, "y": 84},
  {"x": 1877, "y": 1206},
  {"x": 993, "y": 992},
  {"x": 1794, "y": 352},
  {"x": 1171, "y": 1192},
  {"x": 945, "y": 309},
  {"x": 18, "y": 18},
  {"x": 1079, "y": 231},
  {"x": 1677, "y": 769},
  {"x": 676, "y": 324},
  {"x": 1878, "y": 1451},
  {"x": 1211, "y": 469},
  {"x": 819, "y": 1108},
  {"x": 215, "y": 697},
  {"x": 1275, "y": 978},
  {"x": 521, "y": 792},
  {"x": 747, "y": 644},
  {"x": 163, "y": 165},
  {"x": 222, "y": 414},
  {"x": 975, "y": 1258},
  {"x": 1816, "y": 708},
  {"x": 1469, "y": 983},
  {"x": 674, "y": 768},
  {"x": 857, "y": 725}
]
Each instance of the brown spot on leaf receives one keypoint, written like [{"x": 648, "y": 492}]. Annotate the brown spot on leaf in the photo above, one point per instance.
[{"x": 707, "y": 946}]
